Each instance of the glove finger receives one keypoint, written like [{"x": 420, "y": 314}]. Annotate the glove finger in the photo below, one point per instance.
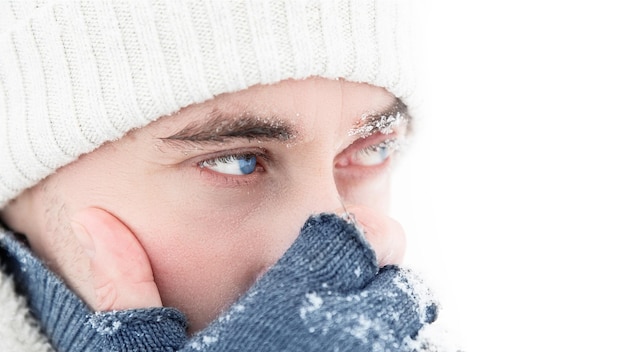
[{"x": 407, "y": 297}]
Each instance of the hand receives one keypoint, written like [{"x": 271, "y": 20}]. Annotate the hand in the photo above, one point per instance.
[{"x": 121, "y": 273}]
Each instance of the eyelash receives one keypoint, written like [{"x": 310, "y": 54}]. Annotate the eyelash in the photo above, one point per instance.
[{"x": 391, "y": 143}]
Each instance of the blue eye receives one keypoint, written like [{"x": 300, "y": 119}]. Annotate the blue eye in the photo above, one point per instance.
[
  {"x": 231, "y": 164},
  {"x": 376, "y": 154}
]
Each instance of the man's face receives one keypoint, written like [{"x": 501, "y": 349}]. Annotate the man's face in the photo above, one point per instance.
[{"x": 218, "y": 191}]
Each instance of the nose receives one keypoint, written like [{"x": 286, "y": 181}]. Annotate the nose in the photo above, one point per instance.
[
  {"x": 318, "y": 193},
  {"x": 313, "y": 192}
]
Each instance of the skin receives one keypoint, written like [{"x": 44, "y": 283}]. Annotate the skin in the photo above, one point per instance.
[{"x": 153, "y": 218}]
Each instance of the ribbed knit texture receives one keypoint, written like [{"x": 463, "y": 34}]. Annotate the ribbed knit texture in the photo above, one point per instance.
[
  {"x": 61, "y": 315},
  {"x": 19, "y": 331},
  {"x": 325, "y": 294},
  {"x": 75, "y": 74}
]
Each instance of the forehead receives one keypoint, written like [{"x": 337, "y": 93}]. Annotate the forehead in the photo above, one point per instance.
[{"x": 303, "y": 104}]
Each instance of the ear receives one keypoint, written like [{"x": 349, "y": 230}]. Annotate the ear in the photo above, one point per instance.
[{"x": 121, "y": 272}]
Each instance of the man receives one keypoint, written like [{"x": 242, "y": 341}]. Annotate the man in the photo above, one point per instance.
[{"x": 168, "y": 154}]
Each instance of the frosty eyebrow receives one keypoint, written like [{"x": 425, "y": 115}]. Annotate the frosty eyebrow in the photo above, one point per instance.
[{"x": 384, "y": 122}]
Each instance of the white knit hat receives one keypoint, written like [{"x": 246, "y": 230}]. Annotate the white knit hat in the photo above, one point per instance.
[{"x": 75, "y": 74}]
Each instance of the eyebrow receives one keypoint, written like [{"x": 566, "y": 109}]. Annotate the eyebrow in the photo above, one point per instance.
[{"x": 219, "y": 126}]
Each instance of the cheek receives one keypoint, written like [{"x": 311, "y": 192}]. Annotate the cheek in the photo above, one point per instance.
[{"x": 204, "y": 259}]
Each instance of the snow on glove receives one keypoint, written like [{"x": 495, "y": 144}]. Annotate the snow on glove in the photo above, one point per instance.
[{"x": 325, "y": 294}]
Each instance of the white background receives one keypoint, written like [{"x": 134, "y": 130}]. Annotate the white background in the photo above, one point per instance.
[{"x": 514, "y": 191}]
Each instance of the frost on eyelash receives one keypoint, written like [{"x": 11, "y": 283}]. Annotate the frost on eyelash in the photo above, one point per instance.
[
  {"x": 390, "y": 144},
  {"x": 384, "y": 125}
]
